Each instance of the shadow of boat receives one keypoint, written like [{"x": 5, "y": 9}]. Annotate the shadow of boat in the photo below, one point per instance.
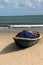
[{"x": 11, "y": 48}]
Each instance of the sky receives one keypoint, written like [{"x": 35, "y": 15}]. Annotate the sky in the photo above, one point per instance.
[{"x": 20, "y": 7}]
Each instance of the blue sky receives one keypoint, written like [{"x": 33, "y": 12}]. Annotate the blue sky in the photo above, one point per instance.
[{"x": 20, "y": 7}]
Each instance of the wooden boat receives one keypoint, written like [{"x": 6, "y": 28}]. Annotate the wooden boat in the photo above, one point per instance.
[{"x": 26, "y": 42}]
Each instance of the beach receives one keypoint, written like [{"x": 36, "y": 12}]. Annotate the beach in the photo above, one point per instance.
[{"x": 10, "y": 54}]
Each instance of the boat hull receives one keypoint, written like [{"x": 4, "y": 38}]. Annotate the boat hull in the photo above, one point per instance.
[{"x": 25, "y": 43}]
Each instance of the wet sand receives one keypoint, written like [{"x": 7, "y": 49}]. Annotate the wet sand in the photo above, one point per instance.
[{"x": 10, "y": 54}]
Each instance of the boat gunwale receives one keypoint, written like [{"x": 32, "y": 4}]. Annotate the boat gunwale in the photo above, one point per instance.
[{"x": 21, "y": 38}]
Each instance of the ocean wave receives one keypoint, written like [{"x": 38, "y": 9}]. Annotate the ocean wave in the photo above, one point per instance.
[
  {"x": 3, "y": 27},
  {"x": 21, "y": 26},
  {"x": 26, "y": 26}
]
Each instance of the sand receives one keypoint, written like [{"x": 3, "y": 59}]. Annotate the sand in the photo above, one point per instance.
[{"x": 10, "y": 54}]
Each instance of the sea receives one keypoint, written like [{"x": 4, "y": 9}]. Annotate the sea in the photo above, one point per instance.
[{"x": 21, "y": 21}]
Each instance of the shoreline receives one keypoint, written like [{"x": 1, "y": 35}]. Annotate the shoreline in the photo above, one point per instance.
[{"x": 39, "y": 29}]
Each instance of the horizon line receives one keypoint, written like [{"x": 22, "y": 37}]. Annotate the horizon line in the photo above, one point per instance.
[{"x": 22, "y": 15}]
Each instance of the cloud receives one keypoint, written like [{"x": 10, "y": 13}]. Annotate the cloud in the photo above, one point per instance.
[
  {"x": 21, "y": 4},
  {"x": 24, "y": 4},
  {"x": 6, "y": 1},
  {"x": 27, "y": 4}
]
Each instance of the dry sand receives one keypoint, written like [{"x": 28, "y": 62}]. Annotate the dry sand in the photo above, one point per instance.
[{"x": 10, "y": 54}]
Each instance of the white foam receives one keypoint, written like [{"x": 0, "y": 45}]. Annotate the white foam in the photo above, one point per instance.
[
  {"x": 3, "y": 27},
  {"x": 26, "y": 25},
  {"x": 18, "y": 26}
]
